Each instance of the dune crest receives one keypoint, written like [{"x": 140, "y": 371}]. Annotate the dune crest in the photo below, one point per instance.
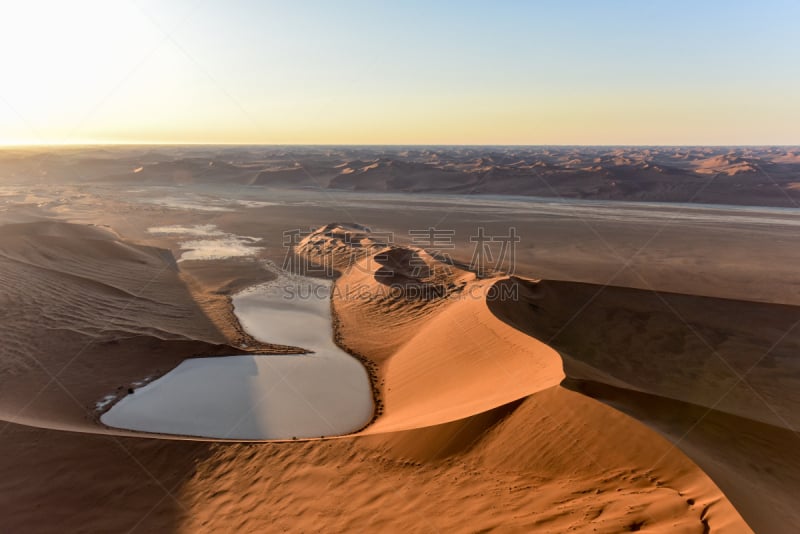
[
  {"x": 445, "y": 355},
  {"x": 447, "y": 363}
]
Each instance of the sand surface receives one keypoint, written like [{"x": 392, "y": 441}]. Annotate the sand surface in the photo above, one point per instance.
[{"x": 577, "y": 407}]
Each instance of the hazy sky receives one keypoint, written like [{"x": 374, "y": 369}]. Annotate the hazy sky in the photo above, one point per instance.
[{"x": 401, "y": 72}]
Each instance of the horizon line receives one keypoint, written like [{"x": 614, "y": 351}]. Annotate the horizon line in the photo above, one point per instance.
[{"x": 4, "y": 146}]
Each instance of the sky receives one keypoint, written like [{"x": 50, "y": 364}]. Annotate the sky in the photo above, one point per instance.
[{"x": 401, "y": 72}]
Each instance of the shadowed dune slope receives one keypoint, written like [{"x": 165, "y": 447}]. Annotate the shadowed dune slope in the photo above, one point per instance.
[
  {"x": 717, "y": 377},
  {"x": 757, "y": 465},
  {"x": 84, "y": 315},
  {"x": 689, "y": 348}
]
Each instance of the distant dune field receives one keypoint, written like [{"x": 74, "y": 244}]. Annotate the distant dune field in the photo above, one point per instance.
[{"x": 761, "y": 176}]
